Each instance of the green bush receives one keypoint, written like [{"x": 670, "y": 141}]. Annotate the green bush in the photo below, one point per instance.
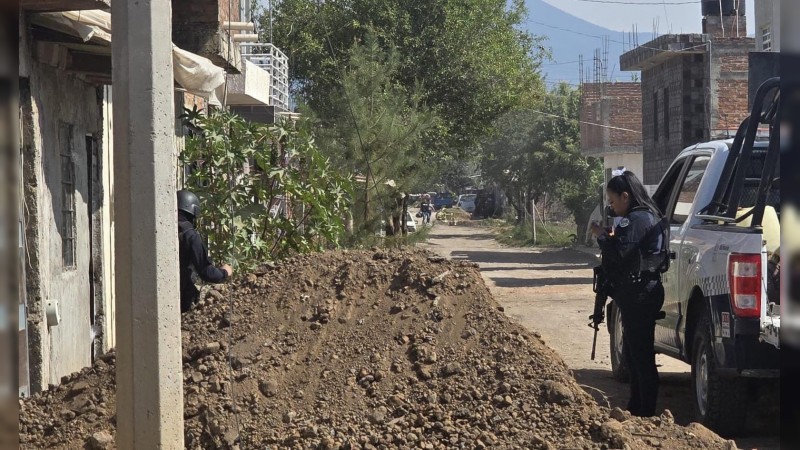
[{"x": 267, "y": 191}]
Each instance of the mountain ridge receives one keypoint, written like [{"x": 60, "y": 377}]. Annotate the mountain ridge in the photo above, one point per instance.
[{"x": 569, "y": 36}]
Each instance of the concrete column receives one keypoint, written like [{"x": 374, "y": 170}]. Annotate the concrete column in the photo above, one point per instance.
[{"x": 149, "y": 375}]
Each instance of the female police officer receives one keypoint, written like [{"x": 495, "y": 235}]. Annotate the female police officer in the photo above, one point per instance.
[{"x": 634, "y": 254}]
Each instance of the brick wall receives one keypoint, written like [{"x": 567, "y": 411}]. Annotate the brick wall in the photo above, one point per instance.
[
  {"x": 626, "y": 112},
  {"x": 592, "y": 138},
  {"x": 233, "y": 7},
  {"x": 204, "y": 11},
  {"x": 611, "y": 104},
  {"x": 197, "y": 26},
  {"x": 729, "y": 82}
]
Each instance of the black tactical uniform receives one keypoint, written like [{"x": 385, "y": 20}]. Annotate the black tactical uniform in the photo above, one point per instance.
[
  {"x": 632, "y": 258},
  {"x": 194, "y": 256}
]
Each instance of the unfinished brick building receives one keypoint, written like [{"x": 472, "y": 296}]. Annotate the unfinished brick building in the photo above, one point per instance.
[
  {"x": 694, "y": 86},
  {"x": 611, "y": 120}
]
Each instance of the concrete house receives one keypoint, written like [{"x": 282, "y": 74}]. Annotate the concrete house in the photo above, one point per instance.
[
  {"x": 693, "y": 85},
  {"x": 68, "y": 313},
  {"x": 765, "y": 57},
  {"x": 768, "y": 25}
]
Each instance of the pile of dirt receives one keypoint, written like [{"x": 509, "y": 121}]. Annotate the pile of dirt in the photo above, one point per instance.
[{"x": 360, "y": 350}]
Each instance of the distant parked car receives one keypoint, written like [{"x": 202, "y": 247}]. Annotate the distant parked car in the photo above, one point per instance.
[
  {"x": 411, "y": 223},
  {"x": 443, "y": 200},
  {"x": 467, "y": 202}
]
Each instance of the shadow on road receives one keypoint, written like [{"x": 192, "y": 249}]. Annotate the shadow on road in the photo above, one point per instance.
[
  {"x": 553, "y": 267},
  {"x": 674, "y": 391},
  {"x": 675, "y": 394},
  {"x": 539, "y": 282},
  {"x": 565, "y": 257},
  {"x": 474, "y": 236}
]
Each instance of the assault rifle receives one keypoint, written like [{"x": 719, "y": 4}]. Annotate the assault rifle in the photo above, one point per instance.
[{"x": 602, "y": 290}]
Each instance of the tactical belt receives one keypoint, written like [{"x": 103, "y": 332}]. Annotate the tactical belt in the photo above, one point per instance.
[{"x": 636, "y": 278}]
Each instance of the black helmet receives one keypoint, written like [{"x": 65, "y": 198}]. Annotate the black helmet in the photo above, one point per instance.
[{"x": 188, "y": 203}]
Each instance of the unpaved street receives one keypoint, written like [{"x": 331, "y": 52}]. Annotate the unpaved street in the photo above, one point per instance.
[{"x": 550, "y": 291}]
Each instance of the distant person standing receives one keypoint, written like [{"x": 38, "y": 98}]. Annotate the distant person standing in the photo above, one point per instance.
[
  {"x": 426, "y": 208},
  {"x": 193, "y": 253}
]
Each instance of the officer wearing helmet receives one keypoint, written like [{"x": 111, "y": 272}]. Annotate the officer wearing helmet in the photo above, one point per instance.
[{"x": 193, "y": 254}]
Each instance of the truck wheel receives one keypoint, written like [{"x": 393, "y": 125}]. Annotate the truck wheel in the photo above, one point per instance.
[
  {"x": 619, "y": 363},
  {"x": 719, "y": 401}
]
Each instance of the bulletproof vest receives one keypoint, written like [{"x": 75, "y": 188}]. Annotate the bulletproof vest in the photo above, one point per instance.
[{"x": 654, "y": 248}]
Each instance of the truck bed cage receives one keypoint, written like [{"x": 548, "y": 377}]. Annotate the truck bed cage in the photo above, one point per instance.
[{"x": 728, "y": 195}]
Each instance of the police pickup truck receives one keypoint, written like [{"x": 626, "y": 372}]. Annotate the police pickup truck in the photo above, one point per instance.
[{"x": 722, "y": 301}]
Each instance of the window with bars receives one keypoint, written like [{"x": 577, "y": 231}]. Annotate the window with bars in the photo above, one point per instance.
[
  {"x": 766, "y": 39},
  {"x": 67, "y": 197}
]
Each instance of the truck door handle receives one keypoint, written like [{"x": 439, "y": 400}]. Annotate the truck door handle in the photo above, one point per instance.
[{"x": 672, "y": 255}]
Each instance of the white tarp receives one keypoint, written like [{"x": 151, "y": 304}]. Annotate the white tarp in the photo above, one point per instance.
[{"x": 195, "y": 73}]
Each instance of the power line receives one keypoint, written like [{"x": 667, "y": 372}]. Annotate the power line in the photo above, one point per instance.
[
  {"x": 559, "y": 64},
  {"x": 585, "y": 123},
  {"x": 613, "y": 40}
]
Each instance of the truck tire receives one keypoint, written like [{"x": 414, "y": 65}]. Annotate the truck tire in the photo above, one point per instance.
[
  {"x": 619, "y": 363},
  {"x": 720, "y": 402}
]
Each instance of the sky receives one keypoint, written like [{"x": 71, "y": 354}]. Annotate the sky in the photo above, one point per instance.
[{"x": 683, "y": 18}]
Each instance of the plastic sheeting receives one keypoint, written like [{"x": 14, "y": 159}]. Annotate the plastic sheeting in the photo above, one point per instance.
[
  {"x": 193, "y": 72},
  {"x": 196, "y": 74}
]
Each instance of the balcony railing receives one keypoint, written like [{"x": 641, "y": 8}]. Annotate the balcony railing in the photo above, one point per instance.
[{"x": 274, "y": 61}]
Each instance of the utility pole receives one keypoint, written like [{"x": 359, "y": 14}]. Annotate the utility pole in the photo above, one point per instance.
[{"x": 149, "y": 372}]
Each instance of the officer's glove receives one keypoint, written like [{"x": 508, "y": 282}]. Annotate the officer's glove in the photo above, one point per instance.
[{"x": 597, "y": 318}]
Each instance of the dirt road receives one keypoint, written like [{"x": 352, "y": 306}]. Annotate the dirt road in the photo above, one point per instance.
[{"x": 550, "y": 291}]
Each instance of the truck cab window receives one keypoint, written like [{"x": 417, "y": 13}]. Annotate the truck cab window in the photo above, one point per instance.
[
  {"x": 667, "y": 186},
  {"x": 688, "y": 191}
]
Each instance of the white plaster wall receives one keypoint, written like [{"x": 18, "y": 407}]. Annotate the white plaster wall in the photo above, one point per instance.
[
  {"x": 768, "y": 13},
  {"x": 107, "y": 232},
  {"x": 57, "y": 98},
  {"x": 251, "y": 87},
  {"x": 631, "y": 161}
]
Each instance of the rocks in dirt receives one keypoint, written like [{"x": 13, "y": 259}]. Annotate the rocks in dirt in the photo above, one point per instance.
[
  {"x": 268, "y": 387},
  {"x": 102, "y": 440},
  {"x": 619, "y": 415},
  {"x": 557, "y": 393},
  {"x": 67, "y": 415},
  {"x": 451, "y": 369},
  {"x": 378, "y": 415},
  {"x": 702, "y": 433},
  {"x": 614, "y": 433},
  {"x": 289, "y": 417},
  {"x": 78, "y": 388},
  {"x": 445, "y": 370},
  {"x": 216, "y": 295},
  {"x": 207, "y": 349}
]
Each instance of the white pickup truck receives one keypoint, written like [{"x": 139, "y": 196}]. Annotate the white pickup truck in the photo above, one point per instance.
[{"x": 721, "y": 308}]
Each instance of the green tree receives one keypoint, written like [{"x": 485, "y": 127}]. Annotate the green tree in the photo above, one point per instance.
[
  {"x": 374, "y": 128},
  {"x": 537, "y": 151},
  {"x": 273, "y": 209},
  {"x": 469, "y": 56}
]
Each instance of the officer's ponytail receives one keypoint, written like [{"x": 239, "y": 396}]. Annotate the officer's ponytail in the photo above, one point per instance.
[{"x": 628, "y": 182}]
